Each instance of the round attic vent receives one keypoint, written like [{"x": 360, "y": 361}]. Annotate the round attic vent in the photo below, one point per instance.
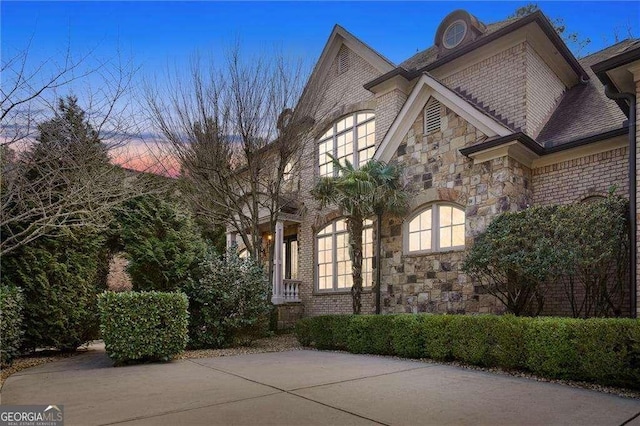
[{"x": 454, "y": 34}]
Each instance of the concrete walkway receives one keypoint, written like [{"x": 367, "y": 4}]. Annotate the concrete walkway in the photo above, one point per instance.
[{"x": 304, "y": 387}]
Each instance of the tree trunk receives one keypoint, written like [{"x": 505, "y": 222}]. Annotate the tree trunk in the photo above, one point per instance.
[
  {"x": 378, "y": 262},
  {"x": 354, "y": 226}
]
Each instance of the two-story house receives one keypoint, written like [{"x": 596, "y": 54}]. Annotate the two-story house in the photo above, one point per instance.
[{"x": 491, "y": 118}]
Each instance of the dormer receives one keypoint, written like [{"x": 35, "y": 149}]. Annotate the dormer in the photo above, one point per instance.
[{"x": 456, "y": 30}]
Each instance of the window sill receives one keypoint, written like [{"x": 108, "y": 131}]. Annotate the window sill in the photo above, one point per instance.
[
  {"x": 432, "y": 253},
  {"x": 339, "y": 292}
]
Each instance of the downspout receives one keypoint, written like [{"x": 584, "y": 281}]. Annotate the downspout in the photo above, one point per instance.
[{"x": 633, "y": 225}]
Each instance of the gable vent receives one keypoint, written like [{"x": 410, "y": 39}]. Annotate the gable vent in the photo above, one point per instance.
[
  {"x": 343, "y": 60},
  {"x": 432, "y": 117}
]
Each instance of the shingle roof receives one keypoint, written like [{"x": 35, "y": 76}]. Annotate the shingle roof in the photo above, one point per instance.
[
  {"x": 430, "y": 55},
  {"x": 584, "y": 109}
]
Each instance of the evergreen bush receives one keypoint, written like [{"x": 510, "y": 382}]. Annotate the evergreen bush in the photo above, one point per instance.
[{"x": 143, "y": 326}]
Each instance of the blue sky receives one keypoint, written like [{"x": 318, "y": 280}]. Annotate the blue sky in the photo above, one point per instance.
[
  {"x": 158, "y": 36},
  {"x": 159, "y": 33}
]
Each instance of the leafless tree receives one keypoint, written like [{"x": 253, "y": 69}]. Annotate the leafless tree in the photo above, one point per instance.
[
  {"x": 237, "y": 131},
  {"x": 61, "y": 187}
]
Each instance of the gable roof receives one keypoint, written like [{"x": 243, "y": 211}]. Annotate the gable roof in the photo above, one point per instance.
[
  {"x": 427, "y": 87},
  {"x": 430, "y": 55},
  {"x": 585, "y": 110},
  {"x": 428, "y": 60},
  {"x": 337, "y": 38}
]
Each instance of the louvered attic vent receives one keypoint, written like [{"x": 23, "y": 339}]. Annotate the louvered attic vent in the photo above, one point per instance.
[
  {"x": 343, "y": 60},
  {"x": 432, "y": 117}
]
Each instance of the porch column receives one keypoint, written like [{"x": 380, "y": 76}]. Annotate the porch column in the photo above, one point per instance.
[
  {"x": 278, "y": 296},
  {"x": 231, "y": 239}
]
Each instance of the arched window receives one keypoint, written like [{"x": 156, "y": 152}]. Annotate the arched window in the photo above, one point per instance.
[
  {"x": 333, "y": 260},
  {"x": 438, "y": 227},
  {"x": 351, "y": 138}
]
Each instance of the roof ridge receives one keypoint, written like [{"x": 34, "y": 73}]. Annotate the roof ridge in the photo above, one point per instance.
[{"x": 340, "y": 27}]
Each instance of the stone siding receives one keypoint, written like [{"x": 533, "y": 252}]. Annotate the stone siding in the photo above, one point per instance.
[{"x": 438, "y": 172}]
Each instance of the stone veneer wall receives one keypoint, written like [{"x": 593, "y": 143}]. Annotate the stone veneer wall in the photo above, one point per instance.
[{"x": 438, "y": 172}]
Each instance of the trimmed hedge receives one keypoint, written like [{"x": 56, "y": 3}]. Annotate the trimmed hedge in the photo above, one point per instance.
[
  {"x": 11, "y": 305},
  {"x": 600, "y": 350},
  {"x": 143, "y": 326}
]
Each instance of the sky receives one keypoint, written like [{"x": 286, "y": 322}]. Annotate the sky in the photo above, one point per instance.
[{"x": 157, "y": 35}]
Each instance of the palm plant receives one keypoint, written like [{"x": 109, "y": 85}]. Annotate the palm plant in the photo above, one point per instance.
[{"x": 374, "y": 189}]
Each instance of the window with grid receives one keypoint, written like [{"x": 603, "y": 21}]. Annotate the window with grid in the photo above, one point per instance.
[
  {"x": 436, "y": 228},
  {"x": 333, "y": 260},
  {"x": 351, "y": 138}
]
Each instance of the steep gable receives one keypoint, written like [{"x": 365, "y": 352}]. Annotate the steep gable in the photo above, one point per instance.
[{"x": 425, "y": 89}]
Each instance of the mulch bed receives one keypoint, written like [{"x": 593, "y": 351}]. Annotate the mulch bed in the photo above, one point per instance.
[{"x": 277, "y": 343}]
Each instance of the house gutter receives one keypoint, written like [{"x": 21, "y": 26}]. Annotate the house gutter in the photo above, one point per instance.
[{"x": 633, "y": 224}]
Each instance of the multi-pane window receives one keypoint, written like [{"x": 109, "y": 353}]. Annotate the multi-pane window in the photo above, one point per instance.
[
  {"x": 334, "y": 262},
  {"x": 351, "y": 138},
  {"x": 437, "y": 227}
]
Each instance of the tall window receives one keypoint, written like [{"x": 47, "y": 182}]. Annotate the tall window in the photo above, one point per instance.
[
  {"x": 436, "y": 228},
  {"x": 334, "y": 263},
  {"x": 351, "y": 138}
]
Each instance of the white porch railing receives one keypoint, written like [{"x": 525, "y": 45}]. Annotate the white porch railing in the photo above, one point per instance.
[{"x": 291, "y": 290}]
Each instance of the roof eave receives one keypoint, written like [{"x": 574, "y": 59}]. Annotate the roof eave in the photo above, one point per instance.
[{"x": 537, "y": 17}]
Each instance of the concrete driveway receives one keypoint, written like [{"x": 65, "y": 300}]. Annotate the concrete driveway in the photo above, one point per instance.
[{"x": 304, "y": 387}]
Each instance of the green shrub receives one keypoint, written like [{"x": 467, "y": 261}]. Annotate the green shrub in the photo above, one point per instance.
[
  {"x": 549, "y": 347},
  {"x": 58, "y": 282},
  {"x": 302, "y": 330},
  {"x": 470, "y": 338},
  {"x": 406, "y": 336},
  {"x": 11, "y": 302},
  {"x": 142, "y": 326},
  {"x": 228, "y": 302},
  {"x": 582, "y": 247},
  {"x": 161, "y": 241},
  {"x": 605, "y": 351},
  {"x": 506, "y": 337},
  {"x": 370, "y": 334},
  {"x": 437, "y": 336},
  {"x": 324, "y": 332}
]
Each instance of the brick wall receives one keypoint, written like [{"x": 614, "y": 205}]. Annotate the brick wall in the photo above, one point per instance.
[
  {"x": 498, "y": 82},
  {"x": 344, "y": 95},
  {"x": 573, "y": 180},
  {"x": 388, "y": 106},
  {"x": 544, "y": 91}
]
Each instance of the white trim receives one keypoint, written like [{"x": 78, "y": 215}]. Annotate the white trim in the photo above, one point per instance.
[
  {"x": 427, "y": 87},
  {"x": 464, "y": 33},
  {"x": 435, "y": 228},
  {"x": 339, "y": 36}
]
